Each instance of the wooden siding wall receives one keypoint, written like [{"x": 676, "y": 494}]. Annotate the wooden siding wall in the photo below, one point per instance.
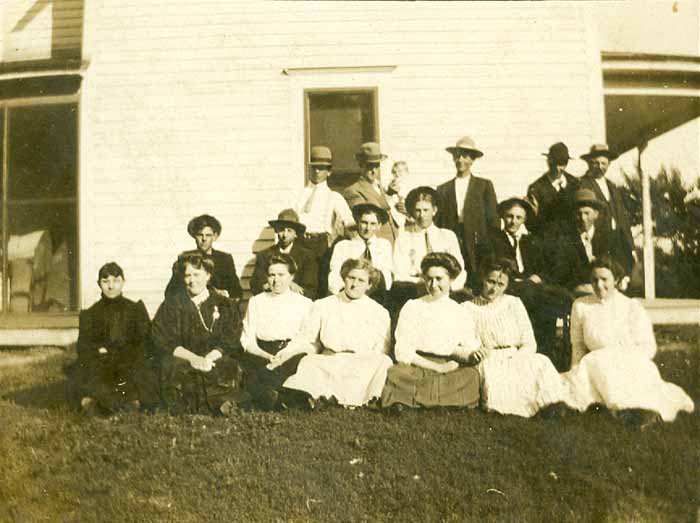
[{"x": 185, "y": 109}]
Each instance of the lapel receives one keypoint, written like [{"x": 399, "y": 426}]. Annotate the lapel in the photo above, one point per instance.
[
  {"x": 506, "y": 246},
  {"x": 367, "y": 190},
  {"x": 578, "y": 245},
  {"x": 592, "y": 184},
  {"x": 451, "y": 203}
]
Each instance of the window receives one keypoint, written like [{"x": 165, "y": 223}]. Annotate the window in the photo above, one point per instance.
[
  {"x": 342, "y": 119},
  {"x": 39, "y": 206}
]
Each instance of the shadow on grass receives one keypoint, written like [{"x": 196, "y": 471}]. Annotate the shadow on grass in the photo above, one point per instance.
[{"x": 51, "y": 396}]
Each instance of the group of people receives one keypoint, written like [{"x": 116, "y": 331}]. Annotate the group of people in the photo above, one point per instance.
[{"x": 434, "y": 297}]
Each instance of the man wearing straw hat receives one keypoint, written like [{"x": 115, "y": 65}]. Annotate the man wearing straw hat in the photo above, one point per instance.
[
  {"x": 288, "y": 231},
  {"x": 551, "y": 195},
  {"x": 616, "y": 217},
  {"x": 368, "y": 189},
  {"x": 468, "y": 203}
]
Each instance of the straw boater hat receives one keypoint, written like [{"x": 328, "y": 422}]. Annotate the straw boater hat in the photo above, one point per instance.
[
  {"x": 587, "y": 198},
  {"x": 599, "y": 149},
  {"x": 198, "y": 223},
  {"x": 466, "y": 143},
  {"x": 361, "y": 208},
  {"x": 522, "y": 202},
  {"x": 370, "y": 153},
  {"x": 558, "y": 152},
  {"x": 288, "y": 218},
  {"x": 320, "y": 155}
]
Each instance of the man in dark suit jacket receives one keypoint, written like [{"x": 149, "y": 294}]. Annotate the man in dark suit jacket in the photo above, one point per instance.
[
  {"x": 543, "y": 302},
  {"x": 368, "y": 189},
  {"x": 468, "y": 204},
  {"x": 288, "y": 228},
  {"x": 205, "y": 230},
  {"x": 552, "y": 194},
  {"x": 615, "y": 219},
  {"x": 578, "y": 246}
]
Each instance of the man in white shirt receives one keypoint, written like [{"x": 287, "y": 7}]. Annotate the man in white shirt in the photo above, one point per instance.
[
  {"x": 365, "y": 244},
  {"x": 324, "y": 212},
  {"x": 416, "y": 241}
]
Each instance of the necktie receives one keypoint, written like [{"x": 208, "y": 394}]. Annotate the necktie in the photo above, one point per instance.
[
  {"x": 310, "y": 201},
  {"x": 367, "y": 254},
  {"x": 588, "y": 246},
  {"x": 428, "y": 247},
  {"x": 518, "y": 254}
]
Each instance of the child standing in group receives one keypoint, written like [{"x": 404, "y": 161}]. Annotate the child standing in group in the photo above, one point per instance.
[
  {"x": 113, "y": 371},
  {"x": 398, "y": 185}
]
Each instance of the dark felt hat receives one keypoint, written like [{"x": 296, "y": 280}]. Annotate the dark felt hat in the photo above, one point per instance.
[
  {"x": 522, "y": 202},
  {"x": 198, "y": 223},
  {"x": 370, "y": 152},
  {"x": 587, "y": 198},
  {"x": 288, "y": 218},
  {"x": 362, "y": 208},
  {"x": 466, "y": 143},
  {"x": 599, "y": 149},
  {"x": 320, "y": 155},
  {"x": 559, "y": 153}
]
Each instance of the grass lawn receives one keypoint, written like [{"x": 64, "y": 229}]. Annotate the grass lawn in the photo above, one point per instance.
[{"x": 340, "y": 465}]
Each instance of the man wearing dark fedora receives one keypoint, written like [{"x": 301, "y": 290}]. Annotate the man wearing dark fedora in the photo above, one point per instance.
[
  {"x": 365, "y": 244},
  {"x": 288, "y": 230},
  {"x": 616, "y": 218},
  {"x": 544, "y": 302},
  {"x": 368, "y": 189},
  {"x": 551, "y": 195},
  {"x": 324, "y": 212},
  {"x": 468, "y": 204}
]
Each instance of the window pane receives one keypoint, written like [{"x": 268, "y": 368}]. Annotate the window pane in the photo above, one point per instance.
[
  {"x": 342, "y": 121},
  {"x": 42, "y": 152},
  {"x": 42, "y": 257}
]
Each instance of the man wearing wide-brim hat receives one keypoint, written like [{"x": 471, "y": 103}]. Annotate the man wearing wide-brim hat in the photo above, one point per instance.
[
  {"x": 616, "y": 218},
  {"x": 552, "y": 193},
  {"x": 365, "y": 244},
  {"x": 468, "y": 203},
  {"x": 289, "y": 232},
  {"x": 368, "y": 189},
  {"x": 580, "y": 244}
]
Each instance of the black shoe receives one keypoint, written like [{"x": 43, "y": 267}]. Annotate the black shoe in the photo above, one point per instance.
[{"x": 555, "y": 411}]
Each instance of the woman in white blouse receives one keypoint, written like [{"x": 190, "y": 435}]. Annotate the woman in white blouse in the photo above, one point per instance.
[
  {"x": 613, "y": 345},
  {"x": 346, "y": 337},
  {"x": 514, "y": 378},
  {"x": 435, "y": 337},
  {"x": 272, "y": 319}
]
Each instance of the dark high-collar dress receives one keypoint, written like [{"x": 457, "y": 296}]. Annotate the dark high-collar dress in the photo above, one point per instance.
[
  {"x": 124, "y": 372},
  {"x": 224, "y": 277},
  {"x": 214, "y": 324}
]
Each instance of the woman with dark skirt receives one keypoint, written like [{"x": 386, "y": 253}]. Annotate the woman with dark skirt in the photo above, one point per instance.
[
  {"x": 205, "y": 230},
  {"x": 435, "y": 337},
  {"x": 272, "y": 319},
  {"x": 113, "y": 371},
  {"x": 196, "y": 333}
]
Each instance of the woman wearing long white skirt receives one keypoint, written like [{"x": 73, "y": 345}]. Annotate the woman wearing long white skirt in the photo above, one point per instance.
[
  {"x": 613, "y": 347},
  {"x": 514, "y": 378},
  {"x": 347, "y": 339}
]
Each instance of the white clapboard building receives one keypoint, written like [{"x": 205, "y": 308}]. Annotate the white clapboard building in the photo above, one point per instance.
[{"x": 123, "y": 119}]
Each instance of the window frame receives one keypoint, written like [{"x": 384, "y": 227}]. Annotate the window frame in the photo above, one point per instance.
[{"x": 59, "y": 319}]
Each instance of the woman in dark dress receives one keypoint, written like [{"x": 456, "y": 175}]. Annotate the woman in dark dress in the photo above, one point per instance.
[
  {"x": 113, "y": 371},
  {"x": 196, "y": 333},
  {"x": 205, "y": 230}
]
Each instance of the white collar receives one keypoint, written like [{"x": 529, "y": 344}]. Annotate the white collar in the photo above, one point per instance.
[
  {"x": 322, "y": 185},
  {"x": 200, "y": 298},
  {"x": 590, "y": 232}
]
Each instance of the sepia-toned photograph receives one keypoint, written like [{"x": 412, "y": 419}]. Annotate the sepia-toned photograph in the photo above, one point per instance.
[{"x": 349, "y": 261}]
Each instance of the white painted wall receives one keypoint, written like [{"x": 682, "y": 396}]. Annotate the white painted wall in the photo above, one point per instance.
[{"x": 185, "y": 110}]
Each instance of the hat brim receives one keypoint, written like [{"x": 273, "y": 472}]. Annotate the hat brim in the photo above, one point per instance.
[
  {"x": 568, "y": 157},
  {"x": 608, "y": 154},
  {"x": 507, "y": 204},
  {"x": 476, "y": 152},
  {"x": 299, "y": 227},
  {"x": 326, "y": 163},
  {"x": 370, "y": 159},
  {"x": 596, "y": 204}
]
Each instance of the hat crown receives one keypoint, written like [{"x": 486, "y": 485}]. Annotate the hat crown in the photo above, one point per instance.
[
  {"x": 559, "y": 150},
  {"x": 288, "y": 215},
  {"x": 370, "y": 149},
  {"x": 600, "y": 149},
  {"x": 585, "y": 195},
  {"x": 320, "y": 153},
  {"x": 466, "y": 142}
]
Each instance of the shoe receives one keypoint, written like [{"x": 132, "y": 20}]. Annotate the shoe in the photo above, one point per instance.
[
  {"x": 228, "y": 408},
  {"x": 88, "y": 406}
]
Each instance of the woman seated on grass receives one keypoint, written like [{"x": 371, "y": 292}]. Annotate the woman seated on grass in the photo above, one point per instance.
[
  {"x": 347, "y": 339},
  {"x": 272, "y": 319},
  {"x": 196, "y": 331},
  {"x": 435, "y": 338},
  {"x": 113, "y": 371},
  {"x": 612, "y": 346},
  {"x": 514, "y": 378}
]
